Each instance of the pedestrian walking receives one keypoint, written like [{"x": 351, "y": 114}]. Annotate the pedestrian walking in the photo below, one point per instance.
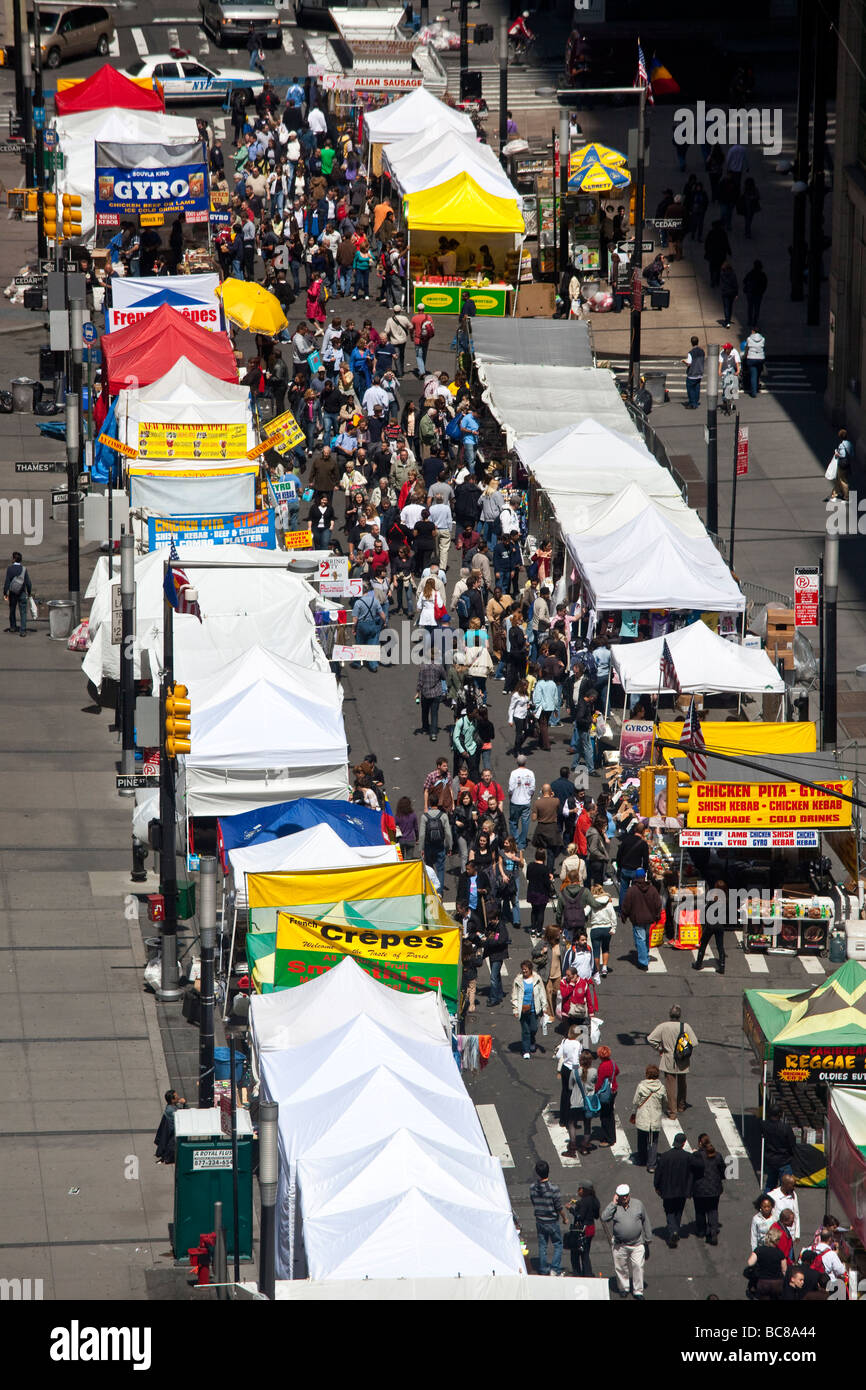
[
  {"x": 546, "y": 1201},
  {"x": 708, "y": 1182},
  {"x": 729, "y": 288},
  {"x": 714, "y": 930},
  {"x": 839, "y": 468},
  {"x": 434, "y": 837},
  {"x": 754, "y": 358},
  {"x": 585, "y": 1211},
  {"x": 407, "y": 824},
  {"x": 430, "y": 688},
  {"x": 673, "y": 1183},
  {"x": 754, "y": 288},
  {"x": 648, "y": 1105},
  {"x": 780, "y": 1145},
  {"x": 17, "y": 589},
  {"x": 749, "y": 205},
  {"x": 606, "y": 1087},
  {"x": 642, "y": 906},
  {"x": 582, "y": 1102},
  {"x": 529, "y": 1006},
  {"x": 495, "y": 948},
  {"x": 695, "y": 361},
  {"x": 716, "y": 249},
  {"x": 631, "y": 1237},
  {"x": 675, "y": 1041}
]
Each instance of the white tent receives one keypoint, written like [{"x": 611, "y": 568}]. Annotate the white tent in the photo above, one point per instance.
[
  {"x": 588, "y": 516},
  {"x": 191, "y": 489},
  {"x": 505, "y": 1288},
  {"x": 587, "y": 443},
  {"x": 295, "y": 1016},
  {"x": 703, "y": 662},
  {"x": 413, "y": 1233},
  {"x": 416, "y": 147},
  {"x": 232, "y": 603},
  {"x": 451, "y": 155},
  {"x": 186, "y": 395},
  {"x": 261, "y": 711},
  {"x": 410, "y": 115},
  {"x": 228, "y": 792},
  {"x": 527, "y": 400},
  {"x": 649, "y": 564},
  {"x": 77, "y": 135},
  {"x": 319, "y": 847}
]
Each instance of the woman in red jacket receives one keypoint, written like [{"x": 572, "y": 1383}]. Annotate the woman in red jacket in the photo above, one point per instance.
[{"x": 606, "y": 1082}]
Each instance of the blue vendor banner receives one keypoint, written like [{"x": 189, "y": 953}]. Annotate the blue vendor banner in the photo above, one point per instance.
[
  {"x": 150, "y": 182},
  {"x": 244, "y": 528}
]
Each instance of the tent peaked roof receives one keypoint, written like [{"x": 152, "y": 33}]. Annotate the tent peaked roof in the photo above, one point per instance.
[
  {"x": 462, "y": 205},
  {"x": 187, "y": 382},
  {"x": 703, "y": 661},
  {"x": 832, "y": 1014},
  {"x": 411, "y": 114},
  {"x": 146, "y": 350},
  {"x": 104, "y": 88}
]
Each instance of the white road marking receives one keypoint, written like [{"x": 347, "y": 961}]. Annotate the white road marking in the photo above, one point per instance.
[
  {"x": 656, "y": 964},
  {"x": 495, "y": 1134},
  {"x": 204, "y": 46},
  {"x": 622, "y": 1148},
  {"x": 558, "y": 1136},
  {"x": 721, "y": 1113},
  {"x": 756, "y": 963},
  {"x": 288, "y": 43},
  {"x": 708, "y": 953},
  {"x": 671, "y": 1128},
  {"x": 114, "y": 47},
  {"x": 812, "y": 965},
  {"x": 140, "y": 42}
]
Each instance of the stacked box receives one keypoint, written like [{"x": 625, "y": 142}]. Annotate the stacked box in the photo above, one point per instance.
[{"x": 780, "y": 635}]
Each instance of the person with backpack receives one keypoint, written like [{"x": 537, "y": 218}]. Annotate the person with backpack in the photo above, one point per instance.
[
  {"x": 641, "y": 906},
  {"x": 583, "y": 1105},
  {"x": 606, "y": 1087},
  {"x": 464, "y": 741},
  {"x": 434, "y": 837},
  {"x": 17, "y": 590},
  {"x": 574, "y": 905},
  {"x": 675, "y": 1041},
  {"x": 423, "y": 333}
]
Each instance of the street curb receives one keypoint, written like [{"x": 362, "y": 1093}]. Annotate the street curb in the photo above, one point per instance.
[{"x": 149, "y": 1002}]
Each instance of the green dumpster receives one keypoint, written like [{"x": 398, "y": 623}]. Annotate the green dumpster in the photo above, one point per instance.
[{"x": 203, "y": 1175}]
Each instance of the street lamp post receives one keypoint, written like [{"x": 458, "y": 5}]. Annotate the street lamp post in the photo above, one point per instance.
[
  {"x": 830, "y": 601},
  {"x": 207, "y": 922},
  {"x": 503, "y": 87},
  {"x": 127, "y": 656},
  {"x": 637, "y": 252},
  {"x": 712, "y": 438}
]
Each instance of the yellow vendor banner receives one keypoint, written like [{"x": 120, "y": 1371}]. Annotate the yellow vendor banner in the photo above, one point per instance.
[
  {"x": 160, "y": 441},
  {"x": 775, "y": 805},
  {"x": 289, "y": 433},
  {"x": 742, "y": 738},
  {"x": 408, "y": 961}
]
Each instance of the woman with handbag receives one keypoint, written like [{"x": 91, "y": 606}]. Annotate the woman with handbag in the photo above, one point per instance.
[
  {"x": 606, "y": 1089},
  {"x": 583, "y": 1105},
  {"x": 567, "y": 1058},
  {"x": 648, "y": 1107},
  {"x": 585, "y": 1211}
]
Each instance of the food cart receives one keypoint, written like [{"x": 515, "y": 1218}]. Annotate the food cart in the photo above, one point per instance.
[{"x": 483, "y": 224}]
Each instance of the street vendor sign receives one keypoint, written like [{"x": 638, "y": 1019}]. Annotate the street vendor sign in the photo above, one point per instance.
[
  {"x": 283, "y": 433},
  {"x": 782, "y": 805},
  {"x": 243, "y": 528},
  {"x": 410, "y": 961},
  {"x": 176, "y": 441},
  {"x": 843, "y": 1066},
  {"x": 135, "y": 178}
]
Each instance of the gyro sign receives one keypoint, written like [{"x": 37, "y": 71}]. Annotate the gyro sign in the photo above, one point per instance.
[{"x": 151, "y": 181}]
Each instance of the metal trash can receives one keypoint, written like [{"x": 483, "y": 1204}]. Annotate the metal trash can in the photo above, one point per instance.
[
  {"x": 22, "y": 395},
  {"x": 655, "y": 384},
  {"x": 61, "y": 618}
]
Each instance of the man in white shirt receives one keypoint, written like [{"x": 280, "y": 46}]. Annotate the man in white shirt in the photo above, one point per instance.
[
  {"x": 440, "y": 515},
  {"x": 521, "y": 790},
  {"x": 411, "y": 514},
  {"x": 785, "y": 1197},
  {"x": 316, "y": 121},
  {"x": 432, "y": 572},
  {"x": 373, "y": 396}
]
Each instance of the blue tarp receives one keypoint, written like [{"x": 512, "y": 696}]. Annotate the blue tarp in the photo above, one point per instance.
[
  {"x": 105, "y": 459},
  {"x": 355, "y": 825}
]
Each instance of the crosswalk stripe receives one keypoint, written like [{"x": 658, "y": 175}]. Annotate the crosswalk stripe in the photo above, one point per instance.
[
  {"x": 721, "y": 1113},
  {"x": 114, "y": 47},
  {"x": 140, "y": 42},
  {"x": 558, "y": 1136},
  {"x": 495, "y": 1134},
  {"x": 656, "y": 964},
  {"x": 671, "y": 1128},
  {"x": 173, "y": 38},
  {"x": 204, "y": 46},
  {"x": 621, "y": 1149},
  {"x": 756, "y": 963},
  {"x": 812, "y": 965}
]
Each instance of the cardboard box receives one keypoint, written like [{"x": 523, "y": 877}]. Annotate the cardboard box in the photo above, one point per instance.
[{"x": 535, "y": 301}]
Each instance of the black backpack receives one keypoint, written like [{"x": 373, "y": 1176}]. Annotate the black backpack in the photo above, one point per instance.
[
  {"x": 573, "y": 916},
  {"x": 434, "y": 834}
]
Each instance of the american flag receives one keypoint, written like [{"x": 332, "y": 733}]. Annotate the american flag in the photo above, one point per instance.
[
  {"x": 176, "y": 584},
  {"x": 642, "y": 79},
  {"x": 692, "y": 737},
  {"x": 670, "y": 679}
]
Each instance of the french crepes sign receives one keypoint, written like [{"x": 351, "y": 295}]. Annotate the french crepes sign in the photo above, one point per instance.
[
  {"x": 150, "y": 181},
  {"x": 193, "y": 296}
]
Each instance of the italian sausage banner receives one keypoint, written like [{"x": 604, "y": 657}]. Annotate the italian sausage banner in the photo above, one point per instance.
[
  {"x": 408, "y": 961},
  {"x": 153, "y": 181}
]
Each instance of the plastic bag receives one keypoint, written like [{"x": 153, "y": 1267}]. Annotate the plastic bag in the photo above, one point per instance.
[
  {"x": 832, "y": 469},
  {"x": 34, "y": 611},
  {"x": 595, "y": 1030},
  {"x": 79, "y": 638}
]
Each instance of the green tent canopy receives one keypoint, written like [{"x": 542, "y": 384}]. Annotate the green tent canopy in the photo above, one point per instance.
[{"x": 831, "y": 1016}]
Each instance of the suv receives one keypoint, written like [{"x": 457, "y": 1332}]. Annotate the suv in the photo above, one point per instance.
[
  {"x": 230, "y": 20},
  {"x": 73, "y": 31}
]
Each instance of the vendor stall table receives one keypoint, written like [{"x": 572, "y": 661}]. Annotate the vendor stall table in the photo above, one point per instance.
[{"x": 491, "y": 301}]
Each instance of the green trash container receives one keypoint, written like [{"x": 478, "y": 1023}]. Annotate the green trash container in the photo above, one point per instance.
[
  {"x": 203, "y": 1175},
  {"x": 185, "y": 901}
]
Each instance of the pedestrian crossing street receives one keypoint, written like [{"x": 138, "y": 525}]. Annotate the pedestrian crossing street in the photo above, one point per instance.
[
  {"x": 782, "y": 376},
  {"x": 182, "y": 31},
  {"x": 525, "y": 85}
]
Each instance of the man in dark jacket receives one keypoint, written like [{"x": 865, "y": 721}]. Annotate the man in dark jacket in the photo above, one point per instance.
[
  {"x": 673, "y": 1183},
  {"x": 16, "y": 591},
  {"x": 633, "y": 854},
  {"x": 473, "y": 895},
  {"x": 496, "y": 951},
  {"x": 714, "y": 926},
  {"x": 325, "y": 472},
  {"x": 780, "y": 1146},
  {"x": 642, "y": 906}
]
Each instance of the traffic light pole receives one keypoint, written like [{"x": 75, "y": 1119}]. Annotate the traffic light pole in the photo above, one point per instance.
[
  {"x": 563, "y": 191},
  {"x": 637, "y": 253},
  {"x": 39, "y": 133},
  {"x": 73, "y": 450},
  {"x": 127, "y": 656},
  {"x": 713, "y": 438},
  {"x": 169, "y": 988},
  {"x": 27, "y": 79},
  {"x": 464, "y": 46},
  {"x": 503, "y": 88}
]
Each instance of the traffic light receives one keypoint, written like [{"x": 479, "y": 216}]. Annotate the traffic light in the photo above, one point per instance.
[
  {"x": 49, "y": 215},
  {"x": 647, "y": 786},
  {"x": 71, "y": 215},
  {"x": 679, "y": 784},
  {"x": 177, "y": 723}
]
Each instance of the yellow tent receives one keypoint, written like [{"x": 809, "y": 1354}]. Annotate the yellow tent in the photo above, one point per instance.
[
  {"x": 745, "y": 737},
  {"x": 461, "y": 205}
]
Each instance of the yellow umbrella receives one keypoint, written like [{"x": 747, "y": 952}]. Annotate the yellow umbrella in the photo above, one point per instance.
[
  {"x": 252, "y": 306},
  {"x": 603, "y": 154},
  {"x": 598, "y": 178}
]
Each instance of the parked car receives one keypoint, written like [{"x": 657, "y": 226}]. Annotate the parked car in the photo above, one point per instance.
[
  {"x": 185, "y": 78},
  {"x": 229, "y": 21},
  {"x": 72, "y": 31}
]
